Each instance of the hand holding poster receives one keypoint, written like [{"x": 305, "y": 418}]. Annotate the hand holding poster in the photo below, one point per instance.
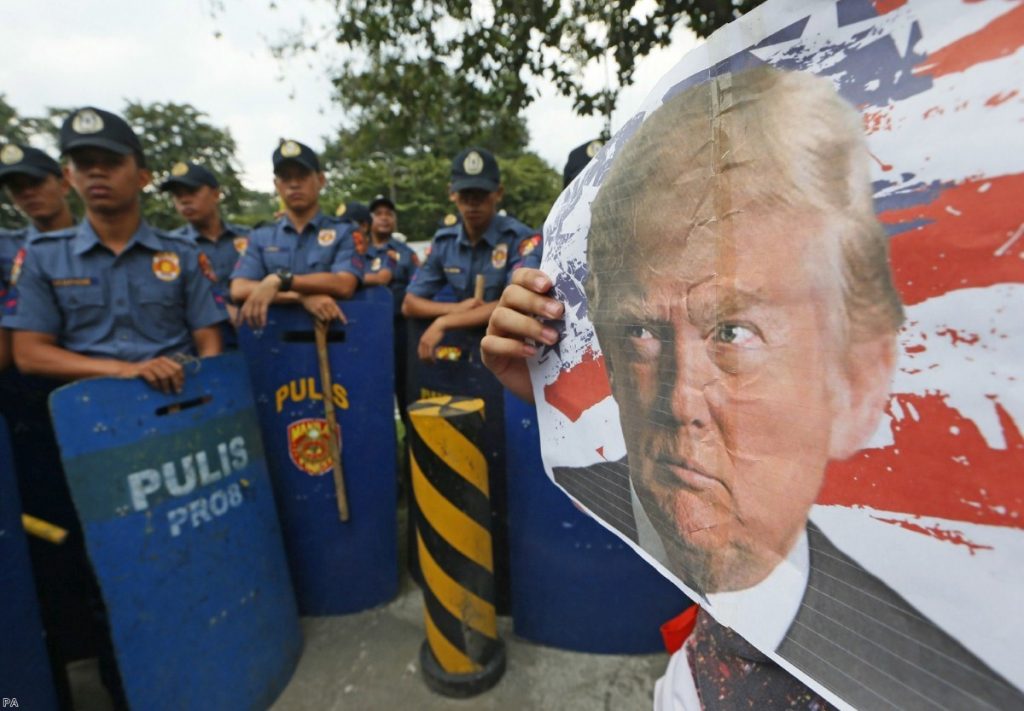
[{"x": 790, "y": 369}]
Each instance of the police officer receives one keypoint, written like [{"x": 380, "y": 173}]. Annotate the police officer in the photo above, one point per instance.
[
  {"x": 391, "y": 263},
  {"x": 483, "y": 243},
  {"x": 306, "y": 257},
  {"x": 112, "y": 296},
  {"x": 196, "y": 194},
  {"x": 578, "y": 159}
]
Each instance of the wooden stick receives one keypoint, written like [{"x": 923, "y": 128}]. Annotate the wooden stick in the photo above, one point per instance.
[
  {"x": 333, "y": 431},
  {"x": 478, "y": 288},
  {"x": 43, "y": 529}
]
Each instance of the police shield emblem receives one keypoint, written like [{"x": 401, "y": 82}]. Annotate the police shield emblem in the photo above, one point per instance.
[
  {"x": 474, "y": 163},
  {"x": 240, "y": 244},
  {"x": 326, "y": 238},
  {"x": 499, "y": 256},
  {"x": 166, "y": 266},
  {"x": 528, "y": 245},
  {"x": 307, "y": 445},
  {"x": 11, "y": 154},
  {"x": 87, "y": 121}
]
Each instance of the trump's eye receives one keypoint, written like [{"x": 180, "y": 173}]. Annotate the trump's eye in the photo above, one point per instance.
[
  {"x": 734, "y": 334},
  {"x": 642, "y": 344},
  {"x": 635, "y": 331}
]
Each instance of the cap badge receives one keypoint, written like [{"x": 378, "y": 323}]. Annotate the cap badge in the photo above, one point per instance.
[
  {"x": 593, "y": 147},
  {"x": 179, "y": 170},
  {"x": 341, "y": 210},
  {"x": 87, "y": 121},
  {"x": 450, "y": 220},
  {"x": 474, "y": 163},
  {"x": 166, "y": 266},
  {"x": 11, "y": 154},
  {"x": 290, "y": 149}
]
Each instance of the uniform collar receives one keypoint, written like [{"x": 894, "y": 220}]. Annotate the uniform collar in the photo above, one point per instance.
[
  {"x": 316, "y": 222},
  {"x": 226, "y": 230},
  {"x": 86, "y": 238},
  {"x": 490, "y": 235}
]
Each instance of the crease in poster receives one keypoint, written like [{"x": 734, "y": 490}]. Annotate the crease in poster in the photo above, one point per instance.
[{"x": 790, "y": 365}]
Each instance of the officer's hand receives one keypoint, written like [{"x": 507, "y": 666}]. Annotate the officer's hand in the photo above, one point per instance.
[
  {"x": 323, "y": 307},
  {"x": 163, "y": 374},
  {"x": 513, "y": 323},
  {"x": 429, "y": 341},
  {"x": 254, "y": 310},
  {"x": 467, "y": 304}
]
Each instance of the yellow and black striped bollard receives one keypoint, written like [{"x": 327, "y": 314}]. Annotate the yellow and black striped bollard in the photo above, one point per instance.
[{"x": 462, "y": 655}]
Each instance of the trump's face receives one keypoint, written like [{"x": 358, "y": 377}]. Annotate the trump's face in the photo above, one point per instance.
[{"x": 728, "y": 363}]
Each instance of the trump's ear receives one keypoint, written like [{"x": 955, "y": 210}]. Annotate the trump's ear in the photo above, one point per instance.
[{"x": 860, "y": 397}]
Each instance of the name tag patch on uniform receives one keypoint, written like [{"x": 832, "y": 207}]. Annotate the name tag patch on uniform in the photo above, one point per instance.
[
  {"x": 72, "y": 281},
  {"x": 326, "y": 238},
  {"x": 453, "y": 270},
  {"x": 166, "y": 266},
  {"x": 499, "y": 256},
  {"x": 240, "y": 244}
]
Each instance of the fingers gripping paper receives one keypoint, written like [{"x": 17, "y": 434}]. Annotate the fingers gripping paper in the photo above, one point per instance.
[{"x": 790, "y": 371}]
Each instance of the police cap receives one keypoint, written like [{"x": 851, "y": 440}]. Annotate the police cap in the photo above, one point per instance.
[
  {"x": 354, "y": 212},
  {"x": 578, "y": 159},
  {"x": 19, "y": 159},
  {"x": 90, "y": 127},
  {"x": 475, "y": 168},
  {"x": 379, "y": 200},
  {"x": 189, "y": 175},
  {"x": 295, "y": 152}
]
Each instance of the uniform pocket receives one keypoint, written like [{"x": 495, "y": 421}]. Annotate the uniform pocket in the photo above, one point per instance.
[
  {"x": 82, "y": 307},
  {"x": 277, "y": 259},
  {"x": 158, "y": 308}
]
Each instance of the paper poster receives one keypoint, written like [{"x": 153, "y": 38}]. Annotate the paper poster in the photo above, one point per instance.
[{"x": 791, "y": 366}]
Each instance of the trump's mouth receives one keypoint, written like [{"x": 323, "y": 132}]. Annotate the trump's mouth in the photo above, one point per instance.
[{"x": 678, "y": 471}]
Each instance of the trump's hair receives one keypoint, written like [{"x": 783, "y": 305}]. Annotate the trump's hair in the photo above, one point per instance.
[{"x": 780, "y": 142}]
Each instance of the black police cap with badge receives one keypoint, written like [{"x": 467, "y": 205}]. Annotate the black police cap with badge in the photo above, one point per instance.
[
  {"x": 578, "y": 159},
  {"x": 189, "y": 175},
  {"x": 475, "y": 169},
  {"x": 90, "y": 127},
  {"x": 295, "y": 152},
  {"x": 379, "y": 200},
  {"x": 19, "y": 159},
  {"x": 354, "y": 212}
]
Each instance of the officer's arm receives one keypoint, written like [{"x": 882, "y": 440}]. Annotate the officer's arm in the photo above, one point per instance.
[
  {"x": 242, "y": 288},
  {"x": 209, "y": 341},
  {"x": 37, "y": 353},
  {"x": 378, "y": 278},
  {"x": 417, "y": 307},
  {"x": 340, "y": 285},
  {"x": 473, "y": 318}
]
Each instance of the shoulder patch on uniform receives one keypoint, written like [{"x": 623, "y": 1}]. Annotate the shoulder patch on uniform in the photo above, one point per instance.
[
  {"x": 19, "y": 260},
  {"x": 206, "y": 268},
  {"x": 528, "y": 245}
]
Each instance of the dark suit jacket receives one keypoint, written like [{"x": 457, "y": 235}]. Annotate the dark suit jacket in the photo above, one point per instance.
[{"x": 853, "y": 634}]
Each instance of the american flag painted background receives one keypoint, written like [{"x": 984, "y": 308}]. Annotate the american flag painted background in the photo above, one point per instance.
[{"x": 935, "y": 504}]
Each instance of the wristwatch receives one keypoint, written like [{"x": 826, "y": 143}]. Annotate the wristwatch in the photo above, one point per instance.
[{"x": 286, "y": 276}]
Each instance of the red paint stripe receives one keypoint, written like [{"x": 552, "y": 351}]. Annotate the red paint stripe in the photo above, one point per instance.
[
  {"x": 942, "y": 534},
  {"x": 999, "y": 38},
  {"x": 939, "y": 465},
  {"x": 968, "y": 241},
  {"x": 580, "y": 387}
]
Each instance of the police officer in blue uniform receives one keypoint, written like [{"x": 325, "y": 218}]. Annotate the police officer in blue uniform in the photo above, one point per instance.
[
  {"x": 112, "y": 296},
  {"x": 391, "y": 263},
  {"x": 483, "y": 243},
  {"x": 36, "y": 185},
  {"x": 306, "y": 257},
  {"x": 115, "y": 297},
  {"x": 196, "y": 194}
]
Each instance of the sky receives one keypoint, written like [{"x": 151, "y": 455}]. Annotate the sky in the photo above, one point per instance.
[{"x": 60, "y": 53}]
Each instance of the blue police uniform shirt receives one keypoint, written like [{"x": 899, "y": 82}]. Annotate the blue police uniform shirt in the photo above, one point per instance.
[
  {"x": 400, "y": 259},
  {"x": 326, "y": 245},
  {"x": 222, "y": 254},
  {"x": 507, "y": 245},
  {"x": 140, "y": 304}
]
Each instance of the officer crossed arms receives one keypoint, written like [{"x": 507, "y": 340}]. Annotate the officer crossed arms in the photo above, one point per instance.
[
  {"x": 306, "y": 257},
  {"x": 112, "y": 296},
  {"x": 484, "y": 243}
]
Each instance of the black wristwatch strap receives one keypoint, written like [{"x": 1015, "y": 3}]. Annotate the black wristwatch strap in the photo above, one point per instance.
[{"x": 286, "y": 278}]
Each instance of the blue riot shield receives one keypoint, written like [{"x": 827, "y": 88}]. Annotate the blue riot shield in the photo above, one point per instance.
[
  {"x": 180, "y": 526},
  {"x": 459, "y": 371},
  {"x": 574, "y": 585},
  {"x": 337, "y": 567},
  {"x": 24, "y": 665}
]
